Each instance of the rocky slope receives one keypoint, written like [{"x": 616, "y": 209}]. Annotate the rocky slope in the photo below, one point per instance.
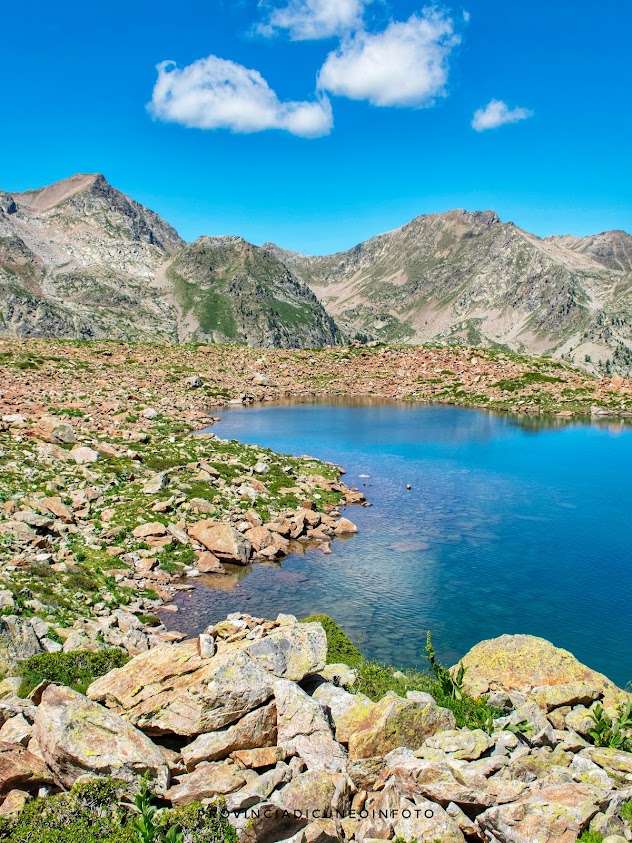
[
  {"x": 80, "y": 259},
  {"x": 251, "y": 713},
  {"x": 468, "y": 277}
]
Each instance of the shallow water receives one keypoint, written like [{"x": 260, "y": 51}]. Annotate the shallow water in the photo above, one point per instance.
[{"x": 511, "y": 525}]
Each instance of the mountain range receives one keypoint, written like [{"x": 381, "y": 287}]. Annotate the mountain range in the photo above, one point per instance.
[{"x": 80, "y": 259}]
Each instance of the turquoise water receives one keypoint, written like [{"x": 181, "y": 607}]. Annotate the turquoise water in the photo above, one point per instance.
[{"x": 511, "y": 525}]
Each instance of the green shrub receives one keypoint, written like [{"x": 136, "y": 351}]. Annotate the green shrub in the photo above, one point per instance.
[
  {"x": 199, "y": 823},
  {"x": 340, "y": 650},
  {"x": 94, "y": 812},
  {"x": 76, "y": 669},
  {"x": 89, "y": 813}
]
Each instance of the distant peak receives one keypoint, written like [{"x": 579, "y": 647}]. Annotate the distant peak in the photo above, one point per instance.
[{"x": 45, "y": 198}]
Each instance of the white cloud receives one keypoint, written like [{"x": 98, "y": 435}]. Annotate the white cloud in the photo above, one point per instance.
[
  {"x": 497, "y": 113},
  {"x": 405, "y": 65},
  {"x": 214, "y": 93},
  {"x": 307, "y": 20}
]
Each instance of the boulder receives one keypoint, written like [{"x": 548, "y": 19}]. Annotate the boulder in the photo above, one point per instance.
[
  {"x": 261, "y": 757},
  {"x": 13, "y": 802},
  {"x": 172, "y": 690},
  {"x": 291, "y": 652},
  {"x": 227, "y": 543},
  {"x": 20, "y": 768},
  {"x": 206, "y": 782},
  {"x": 208, "y": 563},
  {"x": 344, "y": 527},
  {"x": 78, "y": 736},
  {"x": 548, "y": 814},
  {"x": 156, "y": 483},
  {"x": 257, "y": 729},
  {"x": 465, "y": 744},
  {"x": 84, "y": 455},
  {"x": 304, "y": 729},
  {"x": 154, "y": 528},
  {"x": 50, "y": 429},
  {"x": 523, "y": 663},
  {"x": 396, "y": 722}
]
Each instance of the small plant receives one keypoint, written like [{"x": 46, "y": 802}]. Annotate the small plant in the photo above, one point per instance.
[
  {"x": 626, "y": 811},
  {"x": 451, "y": 685},
  {"x": 591, "y": 837},
  {"x": 146, "y": 830},
  {"x": 612, "y": 732}
]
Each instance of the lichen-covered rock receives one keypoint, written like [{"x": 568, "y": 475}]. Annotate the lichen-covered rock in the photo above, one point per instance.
[
  {"x": 317, "y": 792},
  {"x": 522, "y": 663},
  {"x": 20, "y": 768},
  {"x": 172, "y": 690},
  {"x": 304, "y": 728},
  {"x": 466, "y": 744},
  {"x": 395, "y": 722},
  {"x": 291, "y": 652},
  {"x": 570, "y": 693},
  {"x": 18, "y": 641},
  {"x": 77, "y": 736},
  {"x": 348, "y": 711},
  {"x": 227, "y": 543},
  {"x": 548, "y": 814},
  {"x": 255, "y": 730}
]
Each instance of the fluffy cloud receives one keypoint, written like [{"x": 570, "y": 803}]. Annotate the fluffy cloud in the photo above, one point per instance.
[
  {"x": 497, "y": 113},
  {"x": 214, "y": 93},
  {"x": 307, "y": 20},
  {"x": 405, "y": 65}
]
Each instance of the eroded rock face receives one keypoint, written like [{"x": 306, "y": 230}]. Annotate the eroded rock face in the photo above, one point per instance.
[
  {"x": 523, "y": 663},
  {"x": 77, "y": 736}
]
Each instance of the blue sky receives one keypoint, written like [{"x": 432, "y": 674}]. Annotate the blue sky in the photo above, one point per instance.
[{"x": 354, "y": 118}]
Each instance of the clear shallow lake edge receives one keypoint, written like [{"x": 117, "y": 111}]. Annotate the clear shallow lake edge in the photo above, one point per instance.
[{"x": 513, "y": 524}]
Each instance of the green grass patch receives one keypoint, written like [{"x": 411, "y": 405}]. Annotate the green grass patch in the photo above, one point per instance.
[
  {"x": 340, "y": 650},
  {"x": 375, "y": 679},
  {"x": 77, "y": 669}
]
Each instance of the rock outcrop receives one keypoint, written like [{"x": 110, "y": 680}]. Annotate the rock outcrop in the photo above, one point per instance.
[{"x": 259, "y": 726}]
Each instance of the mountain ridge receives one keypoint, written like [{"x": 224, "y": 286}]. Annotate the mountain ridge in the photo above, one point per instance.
[
  {"x": 80, "y": 258},
  {"x": 469, "y": 277}
]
